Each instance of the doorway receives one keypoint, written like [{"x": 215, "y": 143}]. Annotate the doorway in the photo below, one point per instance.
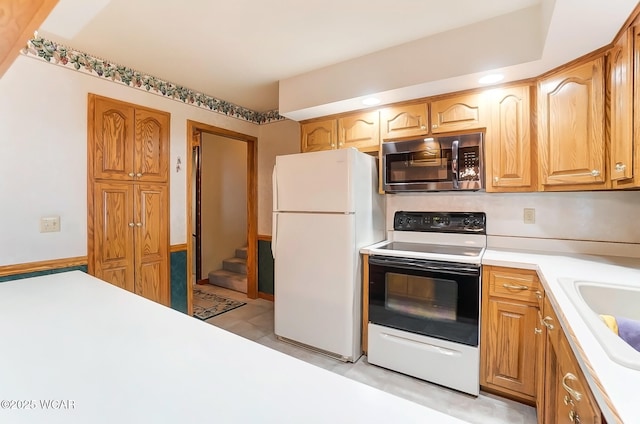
[{"x": 195, "y": 131}]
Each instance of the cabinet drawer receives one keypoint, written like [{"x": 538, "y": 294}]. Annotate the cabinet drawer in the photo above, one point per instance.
[{"x": 514, "y": 284}]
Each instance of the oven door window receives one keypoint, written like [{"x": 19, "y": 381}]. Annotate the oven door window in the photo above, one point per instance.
[
  {"x": 429, "y": 165},
  {"x": 433, "y": 303}
]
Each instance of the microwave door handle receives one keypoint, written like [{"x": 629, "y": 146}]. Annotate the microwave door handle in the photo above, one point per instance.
[{"x": 454, "y": 164}]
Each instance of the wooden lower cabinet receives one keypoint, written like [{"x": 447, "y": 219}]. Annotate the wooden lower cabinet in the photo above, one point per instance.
[
  {"x": 524, "y": 353},
  {"x": 131, "y": 238},
  {"x": 509, "y": 340},
  {"x": 568, "y": 398},
  {"x": 510, "y": 362}
]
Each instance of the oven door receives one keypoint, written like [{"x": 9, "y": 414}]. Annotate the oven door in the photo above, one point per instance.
[{"x": 432, "y": 298}]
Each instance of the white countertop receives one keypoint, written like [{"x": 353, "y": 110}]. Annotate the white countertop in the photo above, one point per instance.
[
  {"x": 120, "y": 358},
  {"x": 619, "y": 384}
]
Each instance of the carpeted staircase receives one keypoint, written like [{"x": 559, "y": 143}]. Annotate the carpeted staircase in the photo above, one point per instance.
[{"x": 233, "y": 274}]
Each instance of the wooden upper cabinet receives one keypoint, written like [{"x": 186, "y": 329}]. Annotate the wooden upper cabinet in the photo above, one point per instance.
[
  {"x": 404, "y": 121},
  {"x": 621, "y": 77},
  {"x": 360, "y": 130},
  {"x": 18, "y": 20},
  {"x": 319, "y": 135},
  {"x": 508, "y": 140},
  {"x": 114, "y": 139},
  {"x": 571, "y": 128},
  {"x": 151, "y": 146},
  {"x": 129, "y": 143},
  {"x": 458, "y": 113}
]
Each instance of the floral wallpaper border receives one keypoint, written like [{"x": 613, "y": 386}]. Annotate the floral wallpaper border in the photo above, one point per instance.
[{"x": 58, "y": 54}]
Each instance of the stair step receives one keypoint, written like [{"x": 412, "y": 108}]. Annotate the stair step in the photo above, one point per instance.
[
  {"x": 241, "y": 252},
  {"x": 238, "y": 265},
  {"x": 229, "y": 280}
]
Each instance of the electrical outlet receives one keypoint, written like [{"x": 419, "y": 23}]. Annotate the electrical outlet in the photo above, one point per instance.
[
  {"x": 49, "y": 224},
  {"x": 529, "y": 216}
]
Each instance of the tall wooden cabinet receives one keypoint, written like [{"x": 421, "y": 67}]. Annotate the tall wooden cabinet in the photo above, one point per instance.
[
  {"x": 571, "y": 128},
  {"x": 128, "y": 202}
]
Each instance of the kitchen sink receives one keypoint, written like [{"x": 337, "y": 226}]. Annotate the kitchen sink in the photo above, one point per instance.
[{"x": 592, "y": 299}]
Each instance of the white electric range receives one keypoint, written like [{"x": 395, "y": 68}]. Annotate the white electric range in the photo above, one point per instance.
[{"x": 424, "y": 297}]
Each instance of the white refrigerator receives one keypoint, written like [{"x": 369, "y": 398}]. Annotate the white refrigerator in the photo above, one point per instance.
[{"x": 326, "y": 206}]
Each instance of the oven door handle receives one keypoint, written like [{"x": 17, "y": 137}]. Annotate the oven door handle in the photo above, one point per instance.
[{"x": 417, "y": 264}]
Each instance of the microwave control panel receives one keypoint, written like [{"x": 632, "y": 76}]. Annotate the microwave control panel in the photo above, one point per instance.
[{"x": 441, "y": 222}]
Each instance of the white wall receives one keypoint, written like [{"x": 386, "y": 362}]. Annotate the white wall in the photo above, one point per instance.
[
  {"x": 595, "y": 216},
  {"x": 277, "y": 138},
  {"x": 43, "y": 139},
  {"x": 224, "y": 199}
]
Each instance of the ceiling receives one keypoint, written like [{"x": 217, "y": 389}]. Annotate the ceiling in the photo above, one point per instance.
[{"x": 299, "y": 56}]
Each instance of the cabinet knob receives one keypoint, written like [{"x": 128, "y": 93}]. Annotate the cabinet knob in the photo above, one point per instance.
[
  {"x": 131, "y": 224},
  {"x": 434, "y": 126},
  {"x": 595, "y": 173},
  {"x": 131, "y": 174},
  {"x": 139, "y": 174},
  {"x": 538, "y": 294},
  {"x": 496, "y": 179},
  {"x": 340, "y": 144},
  {"x": 537, "y": 330},
  {"x": 423, "y": 127},
  {"x": 568, "y": 401},
  {"x": 138, "y": 224},
  {"x": 546, "y": 323},
  {"x": 620, "y": 166},
  {"x": 333, "y": 145},
  {"x": 574, "y": 417}
]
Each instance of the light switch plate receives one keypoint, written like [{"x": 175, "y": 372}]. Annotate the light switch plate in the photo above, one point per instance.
[
  {"x": 529, "y": 216},
  {"x": 49, "y": 224}
]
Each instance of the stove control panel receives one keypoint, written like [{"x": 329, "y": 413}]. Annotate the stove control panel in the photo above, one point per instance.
[{"x": 440, "y": 222}]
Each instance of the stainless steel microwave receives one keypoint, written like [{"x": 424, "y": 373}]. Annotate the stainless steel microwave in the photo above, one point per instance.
[{"x": 433, "y": 164}]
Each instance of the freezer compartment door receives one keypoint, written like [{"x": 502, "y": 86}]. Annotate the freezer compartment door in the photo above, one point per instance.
[
  {"x": 314, "y": 182},
  {"x": 317, "y": 289}
]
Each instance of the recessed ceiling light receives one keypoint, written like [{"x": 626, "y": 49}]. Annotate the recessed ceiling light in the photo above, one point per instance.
[
  {"x": 491, "y": 78},
  {"x": 370, "y": 101}
]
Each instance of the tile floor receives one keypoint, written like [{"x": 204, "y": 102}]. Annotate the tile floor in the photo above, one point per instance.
[{"x": 255, "y": 322}]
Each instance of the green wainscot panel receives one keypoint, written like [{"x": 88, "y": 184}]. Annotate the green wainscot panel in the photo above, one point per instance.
[
  {"x": 82, "y": 268},
  {"x": 265, "y": 267},
  {"x": 179, "y": 281}
]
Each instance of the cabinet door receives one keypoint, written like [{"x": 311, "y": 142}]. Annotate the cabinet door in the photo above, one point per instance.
[
  {"x": 361, "y": 131},
  {"x": 152, "y": 242},
  {"x": 621, "y": 68},
  {"x": 319, "y": 135},
  {"x": 571, "y": 128},
  {"x": 151, "y": 155},
  {"x": 508, "y": 141},
  {"x": 511, "y": 342},
  {"x": 458, "y": 113},
  {"x": 18, "y": 20},
  {"x": 113, "y": 238},
  {"x": 404, "y": 121},
  {"x": 113, "y": 130}
]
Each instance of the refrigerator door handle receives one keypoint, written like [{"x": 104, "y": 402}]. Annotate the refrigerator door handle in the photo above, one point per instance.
[{"x": 274, "y": 219}]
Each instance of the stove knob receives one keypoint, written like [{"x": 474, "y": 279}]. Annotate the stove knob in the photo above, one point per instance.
[
  {"x": 476, "y": 223},
  {"x": 466, "y": 221}
]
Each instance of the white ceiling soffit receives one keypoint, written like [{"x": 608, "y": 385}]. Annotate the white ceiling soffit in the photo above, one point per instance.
[{"x": 521, "y": 44}]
